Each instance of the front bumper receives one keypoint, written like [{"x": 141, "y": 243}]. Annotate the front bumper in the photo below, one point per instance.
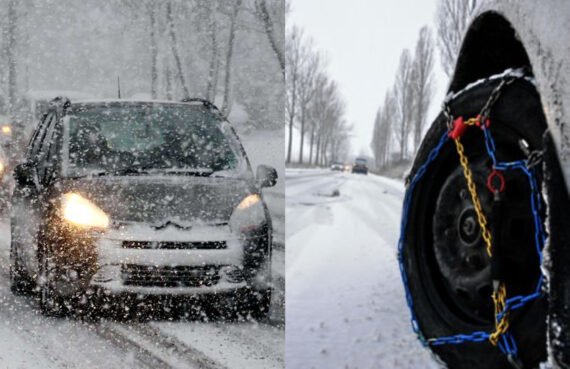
[{"x": 121, "y": 269}]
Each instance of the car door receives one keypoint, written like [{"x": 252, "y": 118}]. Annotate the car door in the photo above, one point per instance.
[{"x": 27, "y": 203}]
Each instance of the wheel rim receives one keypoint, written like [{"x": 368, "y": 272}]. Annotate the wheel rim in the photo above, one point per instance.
[{"x": 455, "y": 268}]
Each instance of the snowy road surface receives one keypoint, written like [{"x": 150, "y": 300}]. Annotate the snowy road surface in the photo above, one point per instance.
[
  {"x": 345, "y": 302},
  {"x": 31, "y": 340}
]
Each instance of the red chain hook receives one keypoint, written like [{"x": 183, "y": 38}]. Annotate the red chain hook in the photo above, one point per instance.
[{"x": 495, "y": 173}]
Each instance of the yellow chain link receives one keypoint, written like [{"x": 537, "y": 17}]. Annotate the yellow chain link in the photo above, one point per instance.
[{"x": 500, "y": 295}]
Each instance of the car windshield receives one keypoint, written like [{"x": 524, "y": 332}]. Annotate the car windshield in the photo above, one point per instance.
[
  {"x": 169, "y": 138},
  {"x": 360, "y": 161}
]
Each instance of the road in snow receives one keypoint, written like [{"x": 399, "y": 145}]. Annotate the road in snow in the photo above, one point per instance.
[{"x": 345, "y": 302}]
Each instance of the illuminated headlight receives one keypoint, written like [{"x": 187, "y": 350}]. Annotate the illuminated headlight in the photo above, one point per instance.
[
  {"x": 6, "y": 130},
  {"x": 80, "y": 211},
  {"x": 1, "y": 168},
  {"x": 249, "y": 214}
]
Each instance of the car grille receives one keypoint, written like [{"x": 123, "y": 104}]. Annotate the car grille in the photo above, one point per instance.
[
  {"x": 151, "y": 245},
  {"x": 171, "y": 276}
]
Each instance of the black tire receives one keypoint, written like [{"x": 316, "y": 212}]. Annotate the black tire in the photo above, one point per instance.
[
  {"x": 441, "y": 310},
  {"x": 51, "y": 304},
  {"x": 20, "y": 283},
  {"x": 254, "y": 304}
]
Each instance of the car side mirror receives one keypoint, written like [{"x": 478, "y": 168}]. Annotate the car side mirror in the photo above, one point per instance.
[
  {"x": 26, "y": 175},
  {"x": 266, "y": 176}
]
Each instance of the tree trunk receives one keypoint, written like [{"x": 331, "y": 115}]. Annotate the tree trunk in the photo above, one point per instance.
[
  {"x": 318, "y": 150},
  {"x": 11, "y": 57},
  {"x": 214, "y": 60},
  {"x": 290, "y": 143},
  {"x": 269, "y": 28},
  {"x": 302, "y": 134},
  {"x": 311, "y": 143},
  {"x": 153, "y": 53},
  {"x": 168, "y": 78},
  {"x": 229, "y": 55},
  {"x": 174, "y": 47}
]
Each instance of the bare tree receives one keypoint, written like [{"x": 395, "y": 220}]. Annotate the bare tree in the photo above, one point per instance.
[
  {"x": 404, "y": 99},
  {"x": 376, "y": 143},
  {"x": 175, "y": 52},
  {"x": 151, "y": 7},
  {"x": 293, "y": 46},
  {"x": 382, "y": 134},
  {"x": 10, "y": 52},
  {"x": 229, "y": 55},
  {"x": 422, "y": 80},
  {"x": 452, "y": 18},
  {"x": 270, "y": 29},
  {"x": 214, "y": 65},
  {"x": 310, "y": 65}
]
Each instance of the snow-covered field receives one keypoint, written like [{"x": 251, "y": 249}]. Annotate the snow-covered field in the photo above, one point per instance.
[{"x": 345, "y": 301}]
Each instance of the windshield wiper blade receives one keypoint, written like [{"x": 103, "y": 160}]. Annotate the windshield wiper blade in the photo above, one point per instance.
[{"x": 198, "y": 172}]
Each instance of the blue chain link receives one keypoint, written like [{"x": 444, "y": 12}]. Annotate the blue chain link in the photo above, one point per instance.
[{"x": 507, "y": 342}]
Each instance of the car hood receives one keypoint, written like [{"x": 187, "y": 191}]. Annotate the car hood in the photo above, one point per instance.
[{"x": 158, "y": 200}]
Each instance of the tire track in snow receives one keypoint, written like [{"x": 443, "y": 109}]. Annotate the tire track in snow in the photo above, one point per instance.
[{"x": 346, "y": 308}]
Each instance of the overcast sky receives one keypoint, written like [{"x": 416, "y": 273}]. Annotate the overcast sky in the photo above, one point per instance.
[{"x": 363, "y": 40}]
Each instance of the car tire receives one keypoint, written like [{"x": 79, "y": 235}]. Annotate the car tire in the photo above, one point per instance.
[
  {"x": 20, "y": 283},
  {"x": 255, "y": 304},
  {"x": 51, "y": 304},
  {"x": 440, "y": 313}
]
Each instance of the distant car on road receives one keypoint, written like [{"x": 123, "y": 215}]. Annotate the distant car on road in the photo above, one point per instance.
[
  {"x": 360, "y": 166},
  {"x": 337, "y": 166},
  {"x": 139, "y": 198}
]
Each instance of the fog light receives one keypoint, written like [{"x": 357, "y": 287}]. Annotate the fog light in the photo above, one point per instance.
[{"x": 232, "y": 274}]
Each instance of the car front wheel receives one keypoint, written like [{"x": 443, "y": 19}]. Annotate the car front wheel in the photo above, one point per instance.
[{"x": 446, "y": 268}]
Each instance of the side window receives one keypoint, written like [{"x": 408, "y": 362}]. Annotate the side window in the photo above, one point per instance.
[
  {"x": 46, "y": 146},
  {"x": 51, "y": 163},
  {"x": 34, "y": 141},
  {"x": 38, "y": 142}
]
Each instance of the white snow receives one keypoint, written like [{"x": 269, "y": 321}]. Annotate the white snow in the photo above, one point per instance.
[{"x": 345, "y": 300}]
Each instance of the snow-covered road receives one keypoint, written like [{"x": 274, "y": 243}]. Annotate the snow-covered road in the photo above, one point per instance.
[
  {"x": 345, "y": 302},
  {"x": 31, "y": 340}
]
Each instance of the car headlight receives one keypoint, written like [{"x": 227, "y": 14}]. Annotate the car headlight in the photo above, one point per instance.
[
  {"x": 80, "y": 211},
  {"x": 249, "y": 201},
  {"x": 249, "y": 214},
  {"x": 6, "y": 130},
  {"x": 1, "y": 168}
]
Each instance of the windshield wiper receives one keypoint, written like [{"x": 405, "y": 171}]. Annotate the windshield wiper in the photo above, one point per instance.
[
  {"x": 116, "y": 172},
  {"x": 197, "y": 172}
]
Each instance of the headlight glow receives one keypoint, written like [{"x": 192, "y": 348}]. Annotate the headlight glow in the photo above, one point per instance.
[
  {"x": 249, "y": 214},
  {"x": 6, "y": 129},
  {"x": 249, "y": 201},
  {"x": 80, "y": 211},
  {"x": 1, "y": 167}
]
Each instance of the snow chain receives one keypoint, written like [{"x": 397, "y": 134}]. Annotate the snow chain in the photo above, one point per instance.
[
  {"x": 501, "y": 337},
  {"x": 499, "y": 290}
]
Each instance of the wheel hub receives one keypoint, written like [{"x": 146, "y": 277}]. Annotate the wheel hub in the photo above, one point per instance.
[
  {"x": 459, "y": 248},
  {"x": 468, "y": 227}
]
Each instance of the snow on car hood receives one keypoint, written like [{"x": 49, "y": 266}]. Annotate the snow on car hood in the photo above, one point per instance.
[{"x": 157, "y": 200}]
